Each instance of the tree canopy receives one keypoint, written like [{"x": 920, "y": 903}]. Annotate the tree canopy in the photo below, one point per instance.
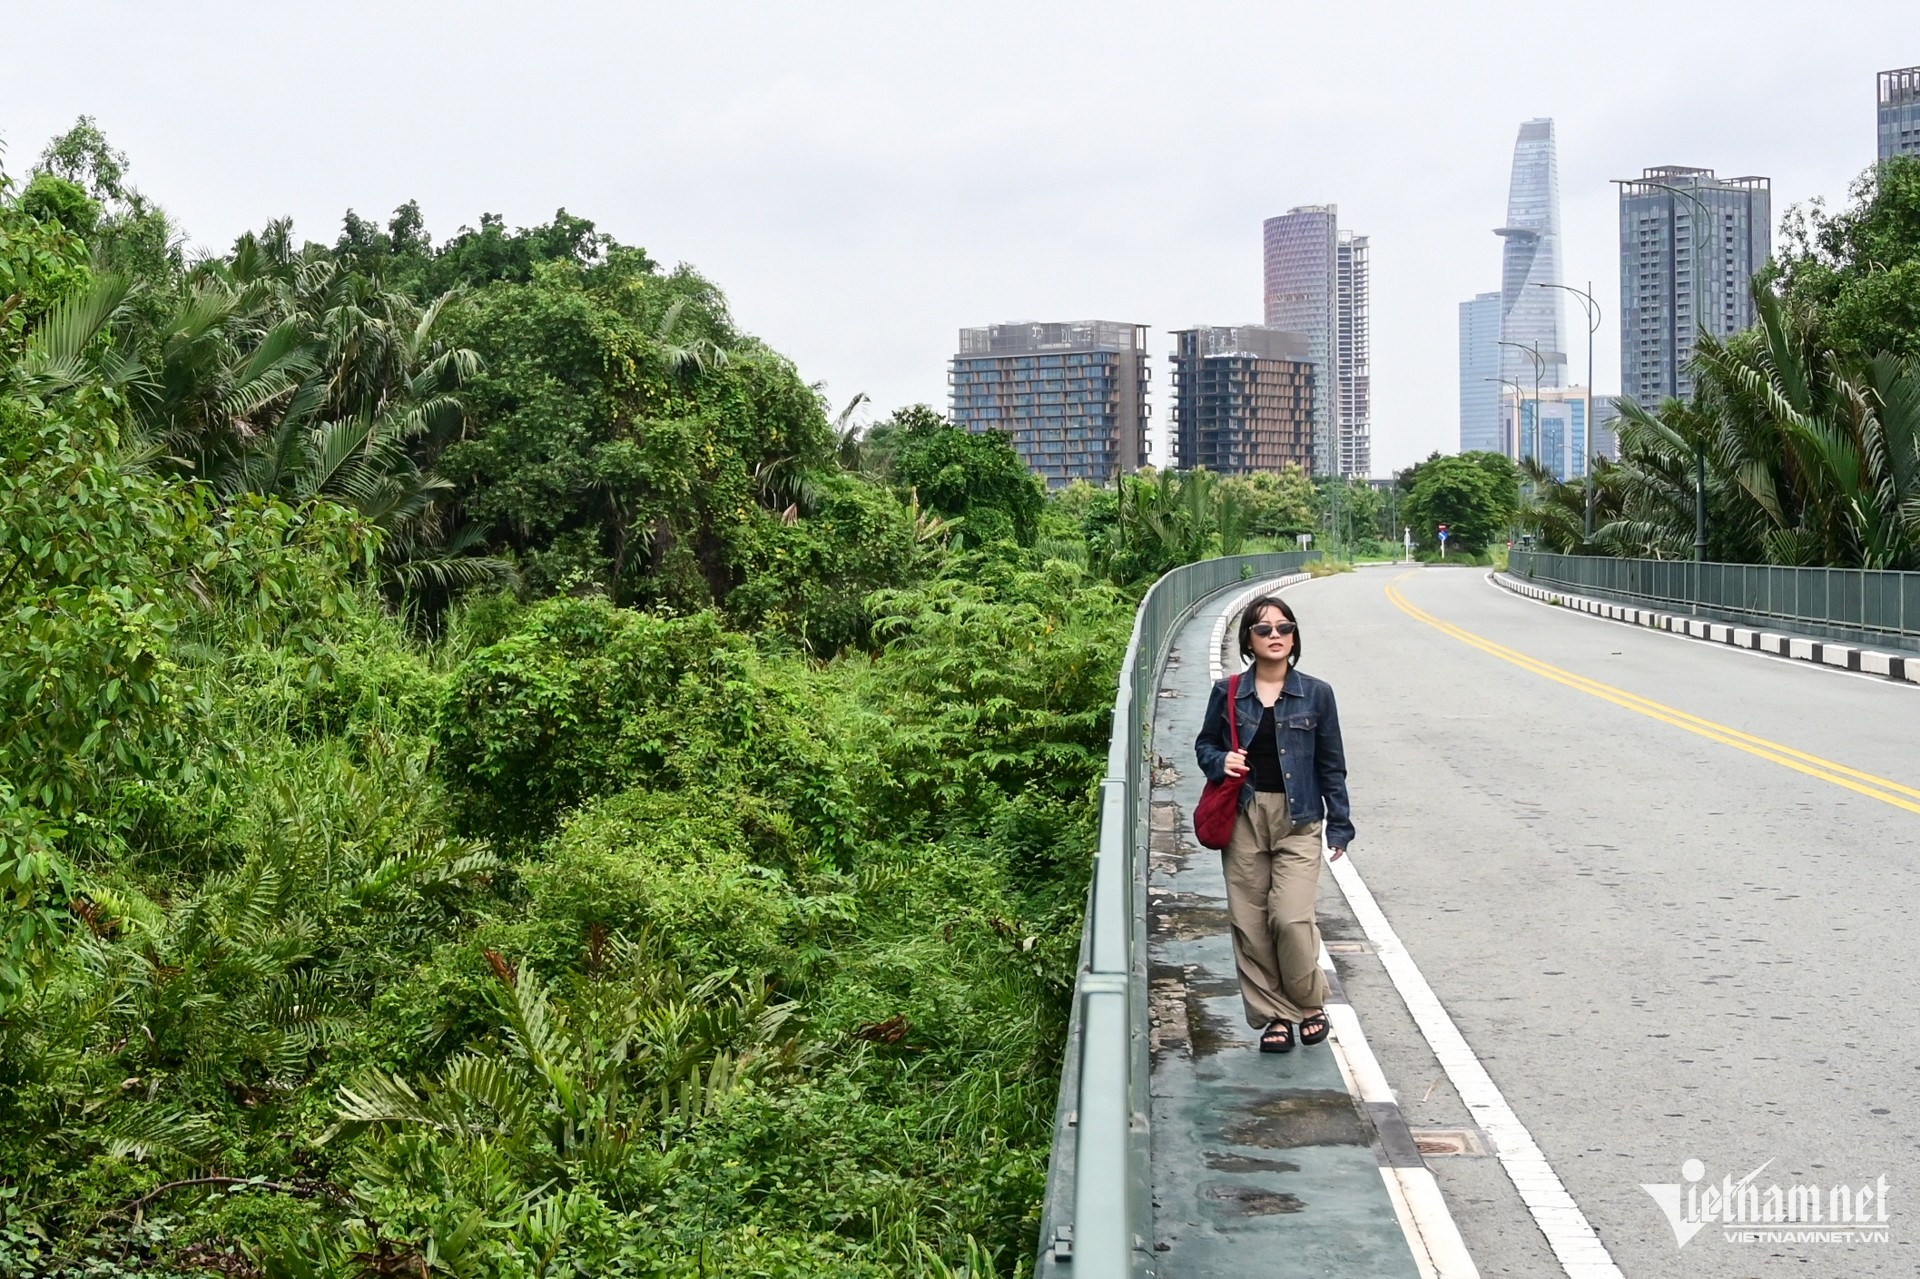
[
  {"x": 493, "y": 781},
  {"x": 1475, "y": 494}
]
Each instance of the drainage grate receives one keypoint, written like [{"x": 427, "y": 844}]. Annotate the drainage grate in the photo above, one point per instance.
[{"x": 1447, "y": 1141}]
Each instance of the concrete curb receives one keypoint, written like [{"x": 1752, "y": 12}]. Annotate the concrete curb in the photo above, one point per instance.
[{"x": 1846, "y": 657}]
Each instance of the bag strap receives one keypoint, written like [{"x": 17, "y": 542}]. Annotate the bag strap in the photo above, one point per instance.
[{"x": 1233, "y": 715}]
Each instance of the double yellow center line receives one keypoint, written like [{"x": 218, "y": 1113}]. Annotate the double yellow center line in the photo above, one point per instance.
[{"x": 1880, "y": 788}]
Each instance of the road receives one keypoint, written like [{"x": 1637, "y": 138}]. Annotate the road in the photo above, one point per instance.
[{"x": 1663, "y": 940}]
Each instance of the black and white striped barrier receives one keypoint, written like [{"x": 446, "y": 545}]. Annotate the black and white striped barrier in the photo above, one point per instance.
[{"x": 1846, "y": 657}]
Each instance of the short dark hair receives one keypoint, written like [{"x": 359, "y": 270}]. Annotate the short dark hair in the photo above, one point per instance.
[{"x": 1252, "y": 615}]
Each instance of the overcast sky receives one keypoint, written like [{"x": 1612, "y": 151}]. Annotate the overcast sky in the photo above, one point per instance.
[{"x": 865, "y": 178}]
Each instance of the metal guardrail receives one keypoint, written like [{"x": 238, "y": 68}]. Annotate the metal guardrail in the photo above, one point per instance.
[
  {"x": 1098, "y": 1218},
  {"x": 1872, "y": 606}
]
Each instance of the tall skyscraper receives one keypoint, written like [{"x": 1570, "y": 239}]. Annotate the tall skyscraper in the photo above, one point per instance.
[
  {"x": 1318, "y": 284},
  {"x": 1243, "y": 399},
  {"x": 1530, "y": 316},
  {"x": 1479, "y": 368},
  {"x": 1072, "y": 395},
  {"x": 1301, "y": 257},
  {"x": 1899, "y": 112},
  {"x": 1353, "y": 329},
  {"x": 1690, "y": 245}
]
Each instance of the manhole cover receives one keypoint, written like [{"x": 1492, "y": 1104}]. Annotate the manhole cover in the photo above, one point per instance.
[{"x": 1447, "y": 1141}]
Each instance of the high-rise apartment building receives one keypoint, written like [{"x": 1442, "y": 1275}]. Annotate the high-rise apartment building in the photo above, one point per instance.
[
  {"x": 1317, "y": 283},
  {"x": 1243, "y": 399},
  {"x": 1899, "y": 112},
  {"x": 1353, "y": 426},
  {"x": 1690, "y": 245},
  {"x": 1300, "y": 253},
  {"x": 1072, "y": 395},
  {"x": 1531, "y": 316},
  {"x": 1480, "y": 373}
]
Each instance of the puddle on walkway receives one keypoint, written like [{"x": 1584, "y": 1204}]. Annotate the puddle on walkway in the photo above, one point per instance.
[
  {"x": 1236, "y": 1200},
  {"x": 1303, "y": 1117},
  {"x": 1207, "y": 1031},
  {"x": 1248, "y": 1163},
  {"x": 1187, "y": 917},
  {"x": 1179, "y": 1018}
]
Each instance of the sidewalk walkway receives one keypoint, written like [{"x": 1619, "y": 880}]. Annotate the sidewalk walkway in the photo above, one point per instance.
[{"x": 1262, "y": 1163}]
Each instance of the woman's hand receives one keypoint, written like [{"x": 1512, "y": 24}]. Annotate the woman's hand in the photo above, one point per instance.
[
  {"x": 1236, "y": 763},
  {"x": 1335, "y": 854}
]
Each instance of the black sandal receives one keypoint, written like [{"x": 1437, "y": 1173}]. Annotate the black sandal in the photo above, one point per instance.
[
  {"x": 1277, "y": 1037},
  {"x": 1314, "y": 1027}
]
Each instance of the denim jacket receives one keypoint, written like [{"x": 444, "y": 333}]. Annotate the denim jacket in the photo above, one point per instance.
[{"x": 1311, "y": 755}]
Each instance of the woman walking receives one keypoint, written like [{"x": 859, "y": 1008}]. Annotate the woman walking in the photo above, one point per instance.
[{"x": 1294, "y": 773}]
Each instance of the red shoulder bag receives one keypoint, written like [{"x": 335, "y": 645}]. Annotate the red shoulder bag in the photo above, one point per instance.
[{"x": 1219, "y": 806}]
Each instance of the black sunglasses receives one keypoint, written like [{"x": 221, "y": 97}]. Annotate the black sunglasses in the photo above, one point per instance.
[{"x": 1264, "y": 629}]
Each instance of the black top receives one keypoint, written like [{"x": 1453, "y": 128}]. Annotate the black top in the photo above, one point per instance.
[{"x": 1263, "y": 755}]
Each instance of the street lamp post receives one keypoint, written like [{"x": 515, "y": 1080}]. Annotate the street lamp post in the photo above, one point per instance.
[{"x": 1592, "y": 308}]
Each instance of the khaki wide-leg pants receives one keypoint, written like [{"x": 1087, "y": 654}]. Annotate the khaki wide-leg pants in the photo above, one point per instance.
[{"x": 1273, "y": 873}]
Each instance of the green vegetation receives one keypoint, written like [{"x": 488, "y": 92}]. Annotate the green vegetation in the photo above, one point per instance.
[
  {"x": 495, "y": 782},
  {"x": 1808, "y": 424},
  {"x": 1476, "y": 495}
]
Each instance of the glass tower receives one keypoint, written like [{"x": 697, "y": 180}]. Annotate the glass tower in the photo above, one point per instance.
[
  {"x": 1899, "y": 112},
  {"x": 1479, "y": 367},
  {"x": 1552, "y": 430},
  {"x": 1073, "y": 396},
  {"x": 1529, "y": 316},
  {"x": 1318, "y": 283},
  {"x": 1690, "y": 245}
]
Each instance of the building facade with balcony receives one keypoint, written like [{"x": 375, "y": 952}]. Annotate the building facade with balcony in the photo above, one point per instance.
[
  {"x": 1243, "y": 399},
  {"x": 1690, "y": 245},
  {"x": 1072, "y": 395},
  {"x": 1353, "y": 324},
  {"x": 1899, "y": 114}
]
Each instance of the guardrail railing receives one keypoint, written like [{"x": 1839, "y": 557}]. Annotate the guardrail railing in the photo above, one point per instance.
[
  {"x": 1871, "y": 606},
  {"x": 1098, "y": 1219}
]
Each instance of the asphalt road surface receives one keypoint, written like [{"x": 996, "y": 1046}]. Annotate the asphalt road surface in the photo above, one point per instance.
[{"x": 1665, "y": 889}]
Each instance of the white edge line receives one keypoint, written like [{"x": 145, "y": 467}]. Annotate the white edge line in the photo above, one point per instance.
[
  {"x": 1397, "y": 1195},
  {"x": 1568, "y": 1233},
  {"x": 1639, "y": 628},
  {"x": 1445, "y": 1248},
  {"x": 1438, "y": 1247},
  {"x": 1433, "y": 1237}
]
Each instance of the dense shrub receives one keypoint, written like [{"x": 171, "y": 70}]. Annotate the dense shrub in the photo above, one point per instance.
[
  {"x": 699, "y": 896},
  {"x": 676, "y": 868}
]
